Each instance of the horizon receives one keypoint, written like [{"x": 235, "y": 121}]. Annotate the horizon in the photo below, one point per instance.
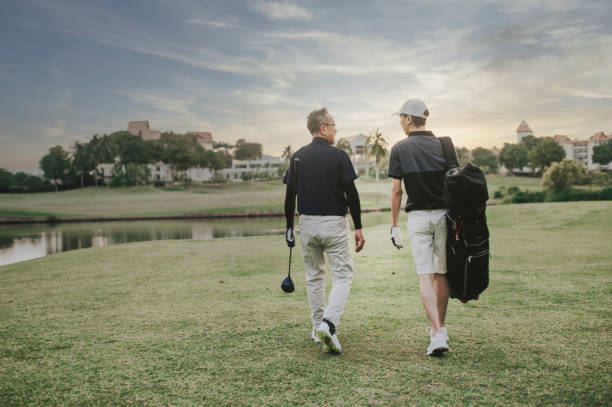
[{"x": 255, "y": 69}]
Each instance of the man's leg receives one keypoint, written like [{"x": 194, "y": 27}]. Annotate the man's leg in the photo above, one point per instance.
[
  {"x": 440, "y": 281},
  {"x": 441, "y": 293},
  {"x": 338, "y": 249},
  {"x": 422, "y": 226},
  {"x": 314, "y": 263},
  {"x": 430, "y": 300}
]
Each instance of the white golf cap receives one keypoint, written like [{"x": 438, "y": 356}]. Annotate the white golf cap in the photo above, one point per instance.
[{"x": 413, "y": 107}]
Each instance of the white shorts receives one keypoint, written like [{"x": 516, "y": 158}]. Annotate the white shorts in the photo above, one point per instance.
[{"x": 427, "y": 230}]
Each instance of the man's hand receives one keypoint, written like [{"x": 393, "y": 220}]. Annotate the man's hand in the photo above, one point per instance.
[
  {"x": 359, "y": 240},
  {"x": 289, "y": 237},
  {"x": 396, "y": 237}
]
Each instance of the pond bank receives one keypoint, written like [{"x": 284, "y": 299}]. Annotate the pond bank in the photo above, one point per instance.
[{"x": 19, "y": 219}]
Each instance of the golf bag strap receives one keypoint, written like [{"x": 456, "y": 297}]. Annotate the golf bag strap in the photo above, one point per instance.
[{"x": 450, "y": 155}]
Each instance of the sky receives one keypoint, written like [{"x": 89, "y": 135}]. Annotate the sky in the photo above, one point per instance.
[{"x": 254, "y": 69}]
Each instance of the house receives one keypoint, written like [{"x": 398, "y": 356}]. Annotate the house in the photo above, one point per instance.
[
  {"x": 582, "y": 150},
  {"x": 141, "y": 128},
  {"x": 204, "y": 139},
  {"x": 243, "y": 169},
  {"x": 358, "y": 155}
]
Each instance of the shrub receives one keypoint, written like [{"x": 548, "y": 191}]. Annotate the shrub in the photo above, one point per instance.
[
  {"x": 560, "y": 176},
  {"x": 526, "y": 197},
  {"x": 513, "y": 190},
  {"x": 576, "y": 195},
  {"x": 600, "y": 178}
]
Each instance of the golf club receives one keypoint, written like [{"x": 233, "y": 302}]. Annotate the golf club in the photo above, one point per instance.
[{"x": 287, "y": 284}]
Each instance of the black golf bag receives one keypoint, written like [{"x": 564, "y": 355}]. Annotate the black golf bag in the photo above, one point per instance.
[{"x": 467, "y": 241}]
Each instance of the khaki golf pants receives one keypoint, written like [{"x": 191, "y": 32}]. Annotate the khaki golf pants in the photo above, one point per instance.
[{"x": 329, "y": 234}]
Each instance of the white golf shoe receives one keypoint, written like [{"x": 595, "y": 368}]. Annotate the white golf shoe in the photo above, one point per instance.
[
  {"x": 443, "y": 331},
  {"x": 326, "y": 332},
  {"x": 437, "y": 345},
  {"x": 314, "y": 336}
]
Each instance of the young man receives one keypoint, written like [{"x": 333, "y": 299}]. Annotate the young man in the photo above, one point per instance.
[
  {"x": 418, "y": 160},
  {"x": 324, "y": 188}
]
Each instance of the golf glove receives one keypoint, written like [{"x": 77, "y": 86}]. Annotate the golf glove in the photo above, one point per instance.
[
  {"x": 289, "y": 237},
  {"x": 396, "y": 237}
]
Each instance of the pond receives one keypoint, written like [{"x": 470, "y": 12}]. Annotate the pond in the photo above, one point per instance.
[{"x": 30, "y": 241}]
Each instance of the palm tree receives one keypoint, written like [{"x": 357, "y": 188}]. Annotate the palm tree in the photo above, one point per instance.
[
  {"x": 344, "y": 144},
  {"x": 287, "y": 153},
  {"x": 376, "y": 147}
]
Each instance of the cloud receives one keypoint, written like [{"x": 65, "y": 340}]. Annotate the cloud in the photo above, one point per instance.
[
  {"x": 167, "y": 112},
  {"x": 55, "y": 129},
  {"x": 281, "y": 10},
  {"x": 100, "y": 27},
  {"x": 170, "y": 104},
  {"x": 211, "y": 23}
]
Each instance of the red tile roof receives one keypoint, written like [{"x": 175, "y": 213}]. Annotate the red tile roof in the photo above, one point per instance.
[
  {"x": 203, "y": 136},
  {"x": 141, "y": 128},
  {"x": 561, "y": 139},
  {"x": 524, "y": 127},
  {"x": 601, "y": 136}
]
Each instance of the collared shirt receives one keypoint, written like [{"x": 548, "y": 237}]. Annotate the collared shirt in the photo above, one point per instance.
[
  {"x": 419, "y": 161},
  {"x": 322, "y": 171}
]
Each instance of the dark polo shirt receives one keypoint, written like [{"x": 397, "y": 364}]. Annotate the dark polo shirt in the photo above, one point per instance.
[
  {"x": 419, "y": 161},
  {"x": 323, "y": 172}
]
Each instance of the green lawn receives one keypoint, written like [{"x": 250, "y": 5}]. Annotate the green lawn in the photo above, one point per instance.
[
  {"x": 149, "y": 201},
  {"x": 205, "y": 323}
]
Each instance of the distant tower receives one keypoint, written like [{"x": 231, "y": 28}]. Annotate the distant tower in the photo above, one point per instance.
[{"x": 523, "y": 131}]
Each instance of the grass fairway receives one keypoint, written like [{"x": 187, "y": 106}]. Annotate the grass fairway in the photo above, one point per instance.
[
  {"x": 205, "y": 322},
  {"x": 149, "y": 201}
]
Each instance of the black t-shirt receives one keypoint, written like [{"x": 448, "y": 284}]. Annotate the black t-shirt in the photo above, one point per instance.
[
  {"x": 322, "y": 172},
  {"x": 419, "y": 161}
]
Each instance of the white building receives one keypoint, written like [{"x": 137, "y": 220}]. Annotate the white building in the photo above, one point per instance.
[
  {"x": 582, "y": 150},
  {"x": 241, "y": 169},
  {"x": 359, "y": 157}
]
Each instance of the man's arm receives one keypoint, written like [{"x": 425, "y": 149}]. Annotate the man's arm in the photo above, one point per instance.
[
  {"x": 289, "y": 215},
  {"x": 354, "y": 204},
  {"x": 289, "y": 208},
  {"x": 396, "y": 200}
]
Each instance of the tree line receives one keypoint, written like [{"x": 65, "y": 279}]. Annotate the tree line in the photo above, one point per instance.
[{"x": 82, "y": 164}]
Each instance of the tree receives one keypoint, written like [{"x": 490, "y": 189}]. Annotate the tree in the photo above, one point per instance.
[
  {"x": 485, "y": 159},
  {"x": 28, "y": 183},
  {"x": 344, "y": 144},
  {"x": 378, "y": 149},
  {"x": 82, "y": 159},
  {"x": 56, "y": 165},
  {"x": 530, "y": 142},
  {"x": 287, "y": 153},
  {"x": 6, "y": 181},
  {"x": 133, "y": 155},
  {"x": 463, "y": 154},
  {"x": 546, "y": 152},
  {"x": 247, "y": 151},
  {"x": 214, "y": 160},
  {"x": 513, "y": 156},
  {"x": 603, "y": 154},
  {"x": 223, "y": 145},
  {"x": 560, "y": 176}
]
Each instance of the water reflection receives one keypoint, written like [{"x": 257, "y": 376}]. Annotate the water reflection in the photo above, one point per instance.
[{"x": 24, "y": 242}]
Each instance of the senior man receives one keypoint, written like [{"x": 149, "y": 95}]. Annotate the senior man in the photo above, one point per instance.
[{"x": 325, "y": 188}]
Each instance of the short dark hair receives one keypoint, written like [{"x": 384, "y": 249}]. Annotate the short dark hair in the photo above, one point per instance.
[
  {"x": 418, "y": 121},
  {"x": 315, "y": 119}
]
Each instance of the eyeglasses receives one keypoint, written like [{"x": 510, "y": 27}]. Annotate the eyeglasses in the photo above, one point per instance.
[{"x": 329, "y": 124}]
